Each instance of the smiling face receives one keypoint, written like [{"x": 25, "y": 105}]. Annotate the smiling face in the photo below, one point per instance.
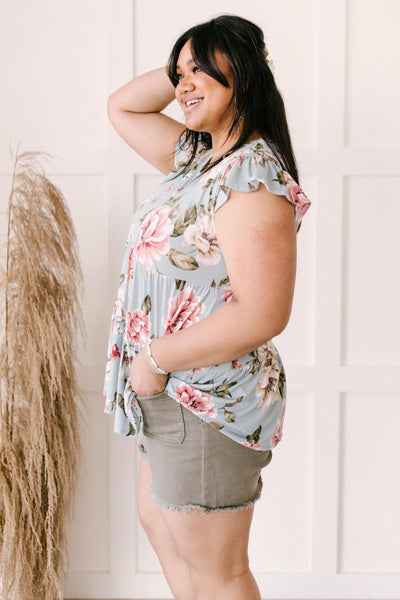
[{"x": 205, "y": 102}]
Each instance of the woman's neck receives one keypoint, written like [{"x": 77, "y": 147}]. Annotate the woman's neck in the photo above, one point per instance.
[{"x": 220, "y": 147}]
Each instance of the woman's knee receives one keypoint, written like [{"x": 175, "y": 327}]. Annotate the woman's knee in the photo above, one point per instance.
[
  {"x": 220, "y": 574},
  {"x": 225, "y": 562}
]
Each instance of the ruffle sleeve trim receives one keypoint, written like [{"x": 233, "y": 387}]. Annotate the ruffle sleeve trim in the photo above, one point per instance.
[{"x": 245, "y": 172}]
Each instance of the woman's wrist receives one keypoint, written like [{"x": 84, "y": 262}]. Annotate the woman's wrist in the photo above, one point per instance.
[
  {"x": 144, "y": 381},
  {"x": 150, "y": 92},
  {"x": 154, "y": 366}
]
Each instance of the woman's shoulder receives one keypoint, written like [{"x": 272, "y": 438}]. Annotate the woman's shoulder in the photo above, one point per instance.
[
  {"x": 253, "y": 164},
  {"x": 241, "y": 164},
  {"x": 256, "y": 148}
]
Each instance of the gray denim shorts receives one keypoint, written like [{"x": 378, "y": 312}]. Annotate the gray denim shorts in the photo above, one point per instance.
[{"x": 192, "y": 464}]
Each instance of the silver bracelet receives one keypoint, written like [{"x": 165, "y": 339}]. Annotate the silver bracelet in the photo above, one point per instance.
[{"x": 154, "y": 366}]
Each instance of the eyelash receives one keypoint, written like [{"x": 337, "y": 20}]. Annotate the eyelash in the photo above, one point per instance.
[{"x": 195, "y": 69}]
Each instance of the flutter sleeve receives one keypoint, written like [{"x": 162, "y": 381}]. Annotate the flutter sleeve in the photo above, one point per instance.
[{"x": 245, "y": 172}]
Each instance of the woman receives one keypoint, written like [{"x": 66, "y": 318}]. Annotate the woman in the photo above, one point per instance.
[{"x": 209, "y": 282}]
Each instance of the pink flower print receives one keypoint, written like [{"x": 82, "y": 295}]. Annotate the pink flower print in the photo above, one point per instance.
[
  {"x": 118, "y": 311},
  {"x": 267, "y": 351},
  {"x": 253, "y": 446},
  {"x": 138, "y": 327},
  {"x": 268, "y": 383},
  {"x": 182, "y": 311},
  {"x": 115, "y": 352},
  {"x": 153, "y": 236},
  {"x": 195, "y": 400},
  {"x": 276, "y": 438},
  {"x": 203, "y": 237},
  {"x": 297, "y": 196},
  {"x": 228, "y": 296},
  {"x": 238, "y": 161},
  {"x": 131, "y": 260},
  {"x": 236, "y": 365},
  {"x": 267, "y": 387}
]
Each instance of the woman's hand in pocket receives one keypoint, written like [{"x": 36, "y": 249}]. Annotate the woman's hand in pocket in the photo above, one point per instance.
[{"x": 143, "y": 380}]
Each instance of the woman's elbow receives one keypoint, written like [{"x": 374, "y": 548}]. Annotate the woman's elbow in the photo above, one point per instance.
[
  {"x": 270, "y": 324},
  {"x": 112, "y": 106}
]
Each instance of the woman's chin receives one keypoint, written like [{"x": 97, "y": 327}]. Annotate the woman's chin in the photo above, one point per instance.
[{"x": 193, "y": 123}]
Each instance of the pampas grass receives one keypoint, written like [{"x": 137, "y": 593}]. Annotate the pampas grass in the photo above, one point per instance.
[{"x": 39, "y": 440}]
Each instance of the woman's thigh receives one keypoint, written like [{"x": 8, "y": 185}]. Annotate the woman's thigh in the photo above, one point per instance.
[
  {"x": 215, "y": 543},
  {"x": 149, "y": 512}
]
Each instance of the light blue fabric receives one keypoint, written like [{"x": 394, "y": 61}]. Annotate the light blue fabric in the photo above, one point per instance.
[{"x": 173, "y": 274}]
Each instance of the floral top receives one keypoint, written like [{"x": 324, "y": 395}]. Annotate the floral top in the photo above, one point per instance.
[{"x": 174, "y": 274}]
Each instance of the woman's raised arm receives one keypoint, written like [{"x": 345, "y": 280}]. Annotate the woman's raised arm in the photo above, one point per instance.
[{"x": 135, "y": 112}]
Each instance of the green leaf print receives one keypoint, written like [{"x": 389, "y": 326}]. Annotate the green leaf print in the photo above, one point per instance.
[
  {"x": 180, "y": 284},
  {"x": 182, "y": 261},
  {"x": 230, "y": 404},
  {"x": 230, "y": 417},
  {"x": 179, "y": 166},
  {"x": 208, "y": 183},
  {"x": 132, "y": 430},
  {"x": 187, "y": 218},
  {"x": 282, "y": 381},
  {"x": 255, "y": 436},
  {"x": 120, "y": 400},
  {"x": 121, "y": 278},
  {"x": 252, "y": 187},
  {"x": 216, "y": 425},
  {"x": 146, "y": 305},
  {"x": 213, "y": 284},
  {"x": 223, "y": 389},
  {"x": 173, "y": 213},
  {"x": 224, "y": 281},
  {"x": 225, "y": 189},
  {"x": 255, "y": 367},
  {"x": 259, "y": 149},
  {"x": 255, "y": 363},
  {"x": 173, "y": 201},
  {"x": 207, "y": 210},
  {"x": 281, "y": 178},
  {"x": 202, "y": 211}
]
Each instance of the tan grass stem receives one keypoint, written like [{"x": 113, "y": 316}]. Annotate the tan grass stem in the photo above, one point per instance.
[{"x": 39, "y": 393}]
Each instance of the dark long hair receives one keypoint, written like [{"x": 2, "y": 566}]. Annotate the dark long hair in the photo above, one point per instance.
[{"x": 257, "y": 102}]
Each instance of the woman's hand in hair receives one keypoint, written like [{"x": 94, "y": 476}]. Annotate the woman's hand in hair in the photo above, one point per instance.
[{"x": 135, "y": 112}]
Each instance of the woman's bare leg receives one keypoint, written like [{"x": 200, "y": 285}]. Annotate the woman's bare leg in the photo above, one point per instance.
[
  {"x": 215, "y": 548},
  {"x": 176, "y": 570}
]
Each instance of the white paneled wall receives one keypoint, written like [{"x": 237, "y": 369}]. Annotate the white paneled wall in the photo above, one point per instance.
[{"x": 328, "y": 524}]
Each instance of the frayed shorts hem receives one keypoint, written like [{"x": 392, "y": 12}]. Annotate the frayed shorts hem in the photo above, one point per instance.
[
  {"x": 142, "y": 450},
  {"x": 207, "y": 509},
  {"x": 193, "y": 466}
]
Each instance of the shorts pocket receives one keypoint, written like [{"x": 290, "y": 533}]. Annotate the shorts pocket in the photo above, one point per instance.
[{"x": 162, "y": 418}]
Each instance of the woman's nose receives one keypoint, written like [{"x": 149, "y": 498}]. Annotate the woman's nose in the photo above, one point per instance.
[{"x": 185, "y": 84}]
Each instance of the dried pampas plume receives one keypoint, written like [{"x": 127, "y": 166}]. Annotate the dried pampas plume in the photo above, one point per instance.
[{"x": 39, "y": 441}]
